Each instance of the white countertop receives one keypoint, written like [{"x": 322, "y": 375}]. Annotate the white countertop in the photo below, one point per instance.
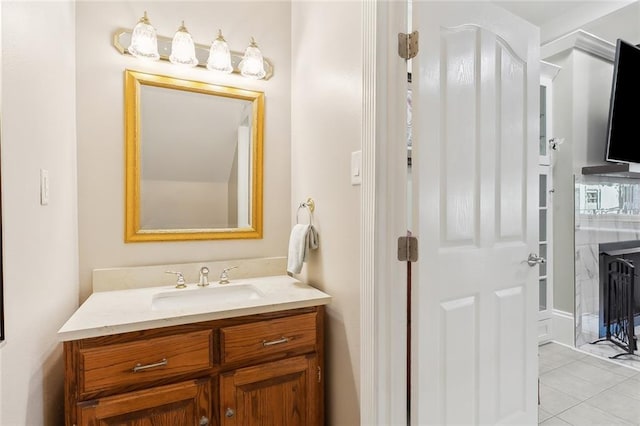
[{"x": 121, "y": 311}]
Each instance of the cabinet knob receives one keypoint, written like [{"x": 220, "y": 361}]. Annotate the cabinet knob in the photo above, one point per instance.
[
  {"x": 230, "y": 412},
  {"x": 204, "y": 421}
]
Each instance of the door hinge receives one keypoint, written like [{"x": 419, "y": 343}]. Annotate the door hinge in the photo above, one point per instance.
[
  {"x": 319, "y": 375},
  {"x": 407, "y": 249},
  {"x": 408, "y": 45}
]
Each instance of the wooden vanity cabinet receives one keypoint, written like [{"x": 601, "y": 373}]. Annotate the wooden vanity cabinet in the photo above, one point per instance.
[
  {"x": 185, "y": 403},
  {"x": 263, "y": 369},
  {"x": 275, "y": 393}
]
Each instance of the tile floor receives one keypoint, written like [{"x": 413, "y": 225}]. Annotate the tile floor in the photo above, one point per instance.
[
  {"x": 607, "y": 349},
  {"x": 580, "y": 389}
]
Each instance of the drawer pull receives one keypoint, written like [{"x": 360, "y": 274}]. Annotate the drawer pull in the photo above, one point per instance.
[
  {"x": 275, "y": 342},
  {"x": 140, "y": 367}
]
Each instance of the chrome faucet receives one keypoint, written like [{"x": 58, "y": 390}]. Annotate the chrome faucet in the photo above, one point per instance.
[
  {"x": 224, "y": 277},
  {"x": 180, "y": 283},
  {"x": 204, "y": 277}
]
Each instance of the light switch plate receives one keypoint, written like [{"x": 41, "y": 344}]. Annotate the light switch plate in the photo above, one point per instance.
[
  {"x": 356, "y": 168},
  {"x": 44, "y": 187}
]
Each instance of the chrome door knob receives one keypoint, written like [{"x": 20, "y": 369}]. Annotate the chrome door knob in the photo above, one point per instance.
[{"x": 534, "y": 259}]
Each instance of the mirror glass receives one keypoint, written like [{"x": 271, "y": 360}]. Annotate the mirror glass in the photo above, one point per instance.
[{"x": 193, "y": 160}]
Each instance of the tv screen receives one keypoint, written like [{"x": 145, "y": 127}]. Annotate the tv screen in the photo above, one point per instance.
[{"x": 623, "y": 133}]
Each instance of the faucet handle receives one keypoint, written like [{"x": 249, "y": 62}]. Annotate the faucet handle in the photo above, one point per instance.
[
  {"x": 204, "y": 277},
  {"x": 180, "y": 283},
  {"x": 224, "y": 277}
]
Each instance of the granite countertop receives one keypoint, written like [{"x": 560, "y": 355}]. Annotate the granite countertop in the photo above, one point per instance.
[{"x": 120, "y": 311}]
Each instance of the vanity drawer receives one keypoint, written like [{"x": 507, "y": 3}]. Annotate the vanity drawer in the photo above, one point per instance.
[
  {"x": 143, "y": 361},
  {"x": 258, "y": 339}
]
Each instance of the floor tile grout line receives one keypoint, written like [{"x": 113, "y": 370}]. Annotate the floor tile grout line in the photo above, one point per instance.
[
  {"x": 560, "y": 390},
  {"x": 618, "y": 393},
  {"x": 613, "y": 366},
  {"x": 622, "y": 393},
  {"x": 607, "y": 412},
  {"x": 555, "y": 389},
  {"x": 607, "y": 388},
  {"x": 582, "y": 401},
  {"x": 569, "y": 361},
  {"x": 569, "y": 408},
  {"x": 554, "y": 368},
  {"x": 600, "y": 353},
  {"x": 558, "y": 418},
  {"x": 606, "y": 358},
  {"x": 595, "y": 384},
  {"x": 595, "y": 408},
  {"x": 620, "y": 376}
]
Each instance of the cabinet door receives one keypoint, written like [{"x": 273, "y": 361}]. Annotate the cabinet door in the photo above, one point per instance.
[
  {"x": 285, "y": 392},
  {"x": 180, "y": 404}
]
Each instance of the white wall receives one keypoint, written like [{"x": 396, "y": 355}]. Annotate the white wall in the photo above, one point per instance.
[
  {"x": 101, "y": 133},
  {"x": 40, "y": 242},
  {"x": 580, "y": 110},
  {"x": 592, "y": 89},
  {"x": 563, "y": 217},
  {"x": 326, "y": 119}
]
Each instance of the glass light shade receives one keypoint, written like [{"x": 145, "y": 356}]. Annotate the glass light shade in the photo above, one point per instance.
[
  {"x": 219, "y": 55},
  {"x": 252, "y": 64},
  {"x": 183, "y": 51},
  {"x": 144, "y": 41}
]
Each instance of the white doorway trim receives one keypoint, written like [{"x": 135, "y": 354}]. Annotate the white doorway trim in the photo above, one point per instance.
[
  {"x": 368, "y": 382},
  {"x": 384, "y": 204}
]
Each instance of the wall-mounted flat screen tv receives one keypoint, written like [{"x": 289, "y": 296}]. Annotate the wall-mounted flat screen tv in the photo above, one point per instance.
[{"x": 623, "y": 131}]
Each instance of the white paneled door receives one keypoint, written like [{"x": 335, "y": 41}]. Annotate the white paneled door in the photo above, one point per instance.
[{"x": 475, "y": 172}]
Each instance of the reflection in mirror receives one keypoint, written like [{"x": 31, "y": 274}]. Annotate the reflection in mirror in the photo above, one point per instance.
[
  {"x": 190, "y": 160},
  {"x": 608, "y": 196},
  {"x": 194, "y": 160}
]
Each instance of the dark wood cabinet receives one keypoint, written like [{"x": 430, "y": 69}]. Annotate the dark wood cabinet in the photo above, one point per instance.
[
  {"x": 263, "y": 369},
  {"x": 187, "y": 403},
  {"x": 277, "y": 393}
]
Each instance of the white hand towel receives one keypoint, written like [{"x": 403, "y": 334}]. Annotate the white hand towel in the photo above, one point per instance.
[{"x": 303, "y": 238}]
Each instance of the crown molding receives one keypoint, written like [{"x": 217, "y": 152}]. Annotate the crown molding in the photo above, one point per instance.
[
  {"x": 549, "y": 70},
  {"x": 583, "y": 41}
]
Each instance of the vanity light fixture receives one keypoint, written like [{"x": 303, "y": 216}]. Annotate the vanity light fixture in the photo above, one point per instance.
[
  {"x": 144, "y": 43},
  {"x": 252, "y": 64},
  {"x": 219, "y": 55},
  {"x": 183, "y": 51}
]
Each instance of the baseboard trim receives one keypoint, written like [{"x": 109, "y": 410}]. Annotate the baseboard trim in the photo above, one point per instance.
[{"x": 564, "y": 327}]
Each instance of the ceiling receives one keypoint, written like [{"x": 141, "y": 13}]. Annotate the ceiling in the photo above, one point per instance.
[
  {"x": 608, "y": 19},
  {"x": 540, "y": 12}
]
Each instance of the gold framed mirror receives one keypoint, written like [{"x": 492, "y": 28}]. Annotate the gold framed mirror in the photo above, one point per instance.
[{"x": 193, "y": 160}]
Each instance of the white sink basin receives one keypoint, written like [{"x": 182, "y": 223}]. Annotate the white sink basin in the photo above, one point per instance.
[{"x": 215, "y": 297}]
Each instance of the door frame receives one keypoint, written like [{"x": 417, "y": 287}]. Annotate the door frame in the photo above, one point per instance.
[{"x": 382, "y": 277}]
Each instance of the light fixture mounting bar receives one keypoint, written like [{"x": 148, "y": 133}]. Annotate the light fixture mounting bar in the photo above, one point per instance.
[{"x": 122, "y": 39}]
